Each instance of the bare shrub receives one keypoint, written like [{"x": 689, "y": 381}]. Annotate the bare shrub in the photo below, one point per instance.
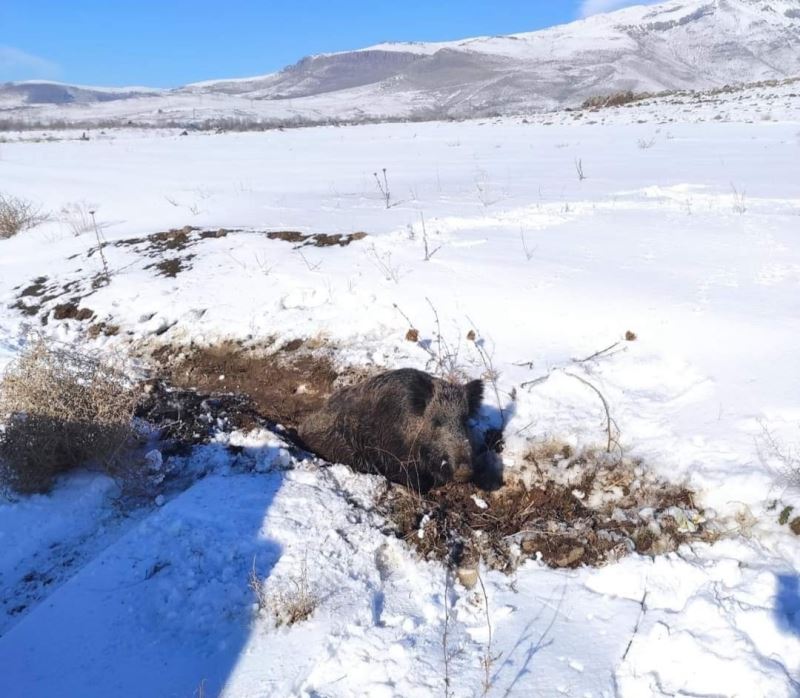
[
  {"x": 18, "y": 215},
  {"x": 77, "y": 217},
  {"x": 288, "y": 605},
  {"x": 483, "y": 187},
  {"x": 782, "y": 459},
  {"x": 444, "y": 358},
  {"x": 383, "y": 262},
  {"x": 62, "y": 409},
  {"x": 383, "y": 187},
  {"x": 739, "y": 204},
  {"x": 429, "y": 252}
]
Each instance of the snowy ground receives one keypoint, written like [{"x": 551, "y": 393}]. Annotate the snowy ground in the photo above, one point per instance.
[{"x": 685, "y": 233}]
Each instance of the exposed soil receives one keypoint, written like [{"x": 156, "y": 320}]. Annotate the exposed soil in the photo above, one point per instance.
[
  {"x": 25, "y": 308},
  {"x": 157, "y": 244},
  {"x": 37, "y": 288},
  {"x": 102, "y": 328},
  {"x": 187, "y": 417},
  {"x": 283, "y": 385},
  {"x": 172, "y": 266},
  {"x": 39, "y": 296},
  {"x": 317, "y": 239},
  {"x": 606, "y": 511},
  {"x": 71, "y": 311},
  {"x": 202, "y": 391},
  {"x": 180, "y": 239}
]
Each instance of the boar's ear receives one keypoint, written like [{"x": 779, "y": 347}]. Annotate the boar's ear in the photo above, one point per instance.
[
  {"x": 420, "y": 392},
  {"x": 474, "y": 390}
]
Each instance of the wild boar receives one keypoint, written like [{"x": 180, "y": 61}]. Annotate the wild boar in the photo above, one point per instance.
[{"x": 406, "y": 425}]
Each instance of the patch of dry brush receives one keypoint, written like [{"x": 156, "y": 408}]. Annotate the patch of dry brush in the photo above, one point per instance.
[
  {"x": 17, "y": 215},
  {"x": 292, "y": 603},
  {"x": 568, "y": 509},
  {"x": 61, "y": 409}
]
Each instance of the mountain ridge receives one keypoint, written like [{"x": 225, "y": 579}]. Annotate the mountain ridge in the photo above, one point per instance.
[{"x": 678, "y": 44}]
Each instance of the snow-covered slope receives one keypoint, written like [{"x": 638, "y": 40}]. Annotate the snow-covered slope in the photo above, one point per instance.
[
  {"x": 680, "y": 44},
  {"x": 43, "y": 92}
]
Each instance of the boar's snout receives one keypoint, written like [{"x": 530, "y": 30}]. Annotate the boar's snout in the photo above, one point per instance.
[
  {"x": 463, "y": 472},
  {"x": 458, "y": 464}
]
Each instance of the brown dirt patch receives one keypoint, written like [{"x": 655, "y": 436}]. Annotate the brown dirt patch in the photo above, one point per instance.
[
  {"x": 201, "y": 391},
  {"x": 172, "y": 266},
  {"x": 157, "y": 244},
  {"x": 315, "y": 239},
  {"x": 795, "y": 526},
  {"x": 604, "y": 509},
  {"x": 71, "y": 311},
  {"x": 287, "y": 236},
  {"x": 43, "y": 297},
  {"x": 220, "y": 233},
  {"x": 37, "y": 288},
  {"x": 283, "y": 386},
  {"x": 102, "y": 328}
]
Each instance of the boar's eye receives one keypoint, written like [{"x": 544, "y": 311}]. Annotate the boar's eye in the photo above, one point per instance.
[{"x": 437, "y": 423}]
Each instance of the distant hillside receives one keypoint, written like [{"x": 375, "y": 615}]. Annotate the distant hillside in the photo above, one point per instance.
[{"x": 681, "y": 44}]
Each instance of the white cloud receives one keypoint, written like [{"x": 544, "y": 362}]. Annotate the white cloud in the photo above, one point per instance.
[
  {"x": 19, "y": 65},
  {"x": 596, "y": 7}
]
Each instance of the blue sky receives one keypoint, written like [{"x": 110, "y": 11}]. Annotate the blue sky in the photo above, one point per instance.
[{"x": 173, "y": 42}]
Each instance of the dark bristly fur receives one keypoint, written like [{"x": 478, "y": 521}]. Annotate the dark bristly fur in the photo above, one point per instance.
[{"x": 406, "y": 425}]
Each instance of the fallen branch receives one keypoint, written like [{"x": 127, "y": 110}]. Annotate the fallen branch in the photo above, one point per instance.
[
  {"x": 598, "y": 353},
  {"x": 609, "y": 420}
]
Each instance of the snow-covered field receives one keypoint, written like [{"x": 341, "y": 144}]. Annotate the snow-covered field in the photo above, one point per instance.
[{"x": 686, "y": 233}]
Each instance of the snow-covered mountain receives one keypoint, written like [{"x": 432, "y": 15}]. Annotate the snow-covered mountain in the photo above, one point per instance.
[{"x": 680, "y": 44}]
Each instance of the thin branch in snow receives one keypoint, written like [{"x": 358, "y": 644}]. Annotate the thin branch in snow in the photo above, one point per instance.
[
  {"x": 642, "y": 611},
  {"x": 579, "y": 168},
  {"x": 383, "y": 187},
  {"x": 598, "y": 353},
  {"x": 488, "y": 659},
  {"x": 428, "y": 252},
  {"x": 528, "y": 252}
]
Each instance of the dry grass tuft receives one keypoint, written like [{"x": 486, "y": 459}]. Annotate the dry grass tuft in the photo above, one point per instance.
[
  {"x": 18, "y": 215},
  {"x": 291, "y": 604},
  {"x": 62, "y": 409}
]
